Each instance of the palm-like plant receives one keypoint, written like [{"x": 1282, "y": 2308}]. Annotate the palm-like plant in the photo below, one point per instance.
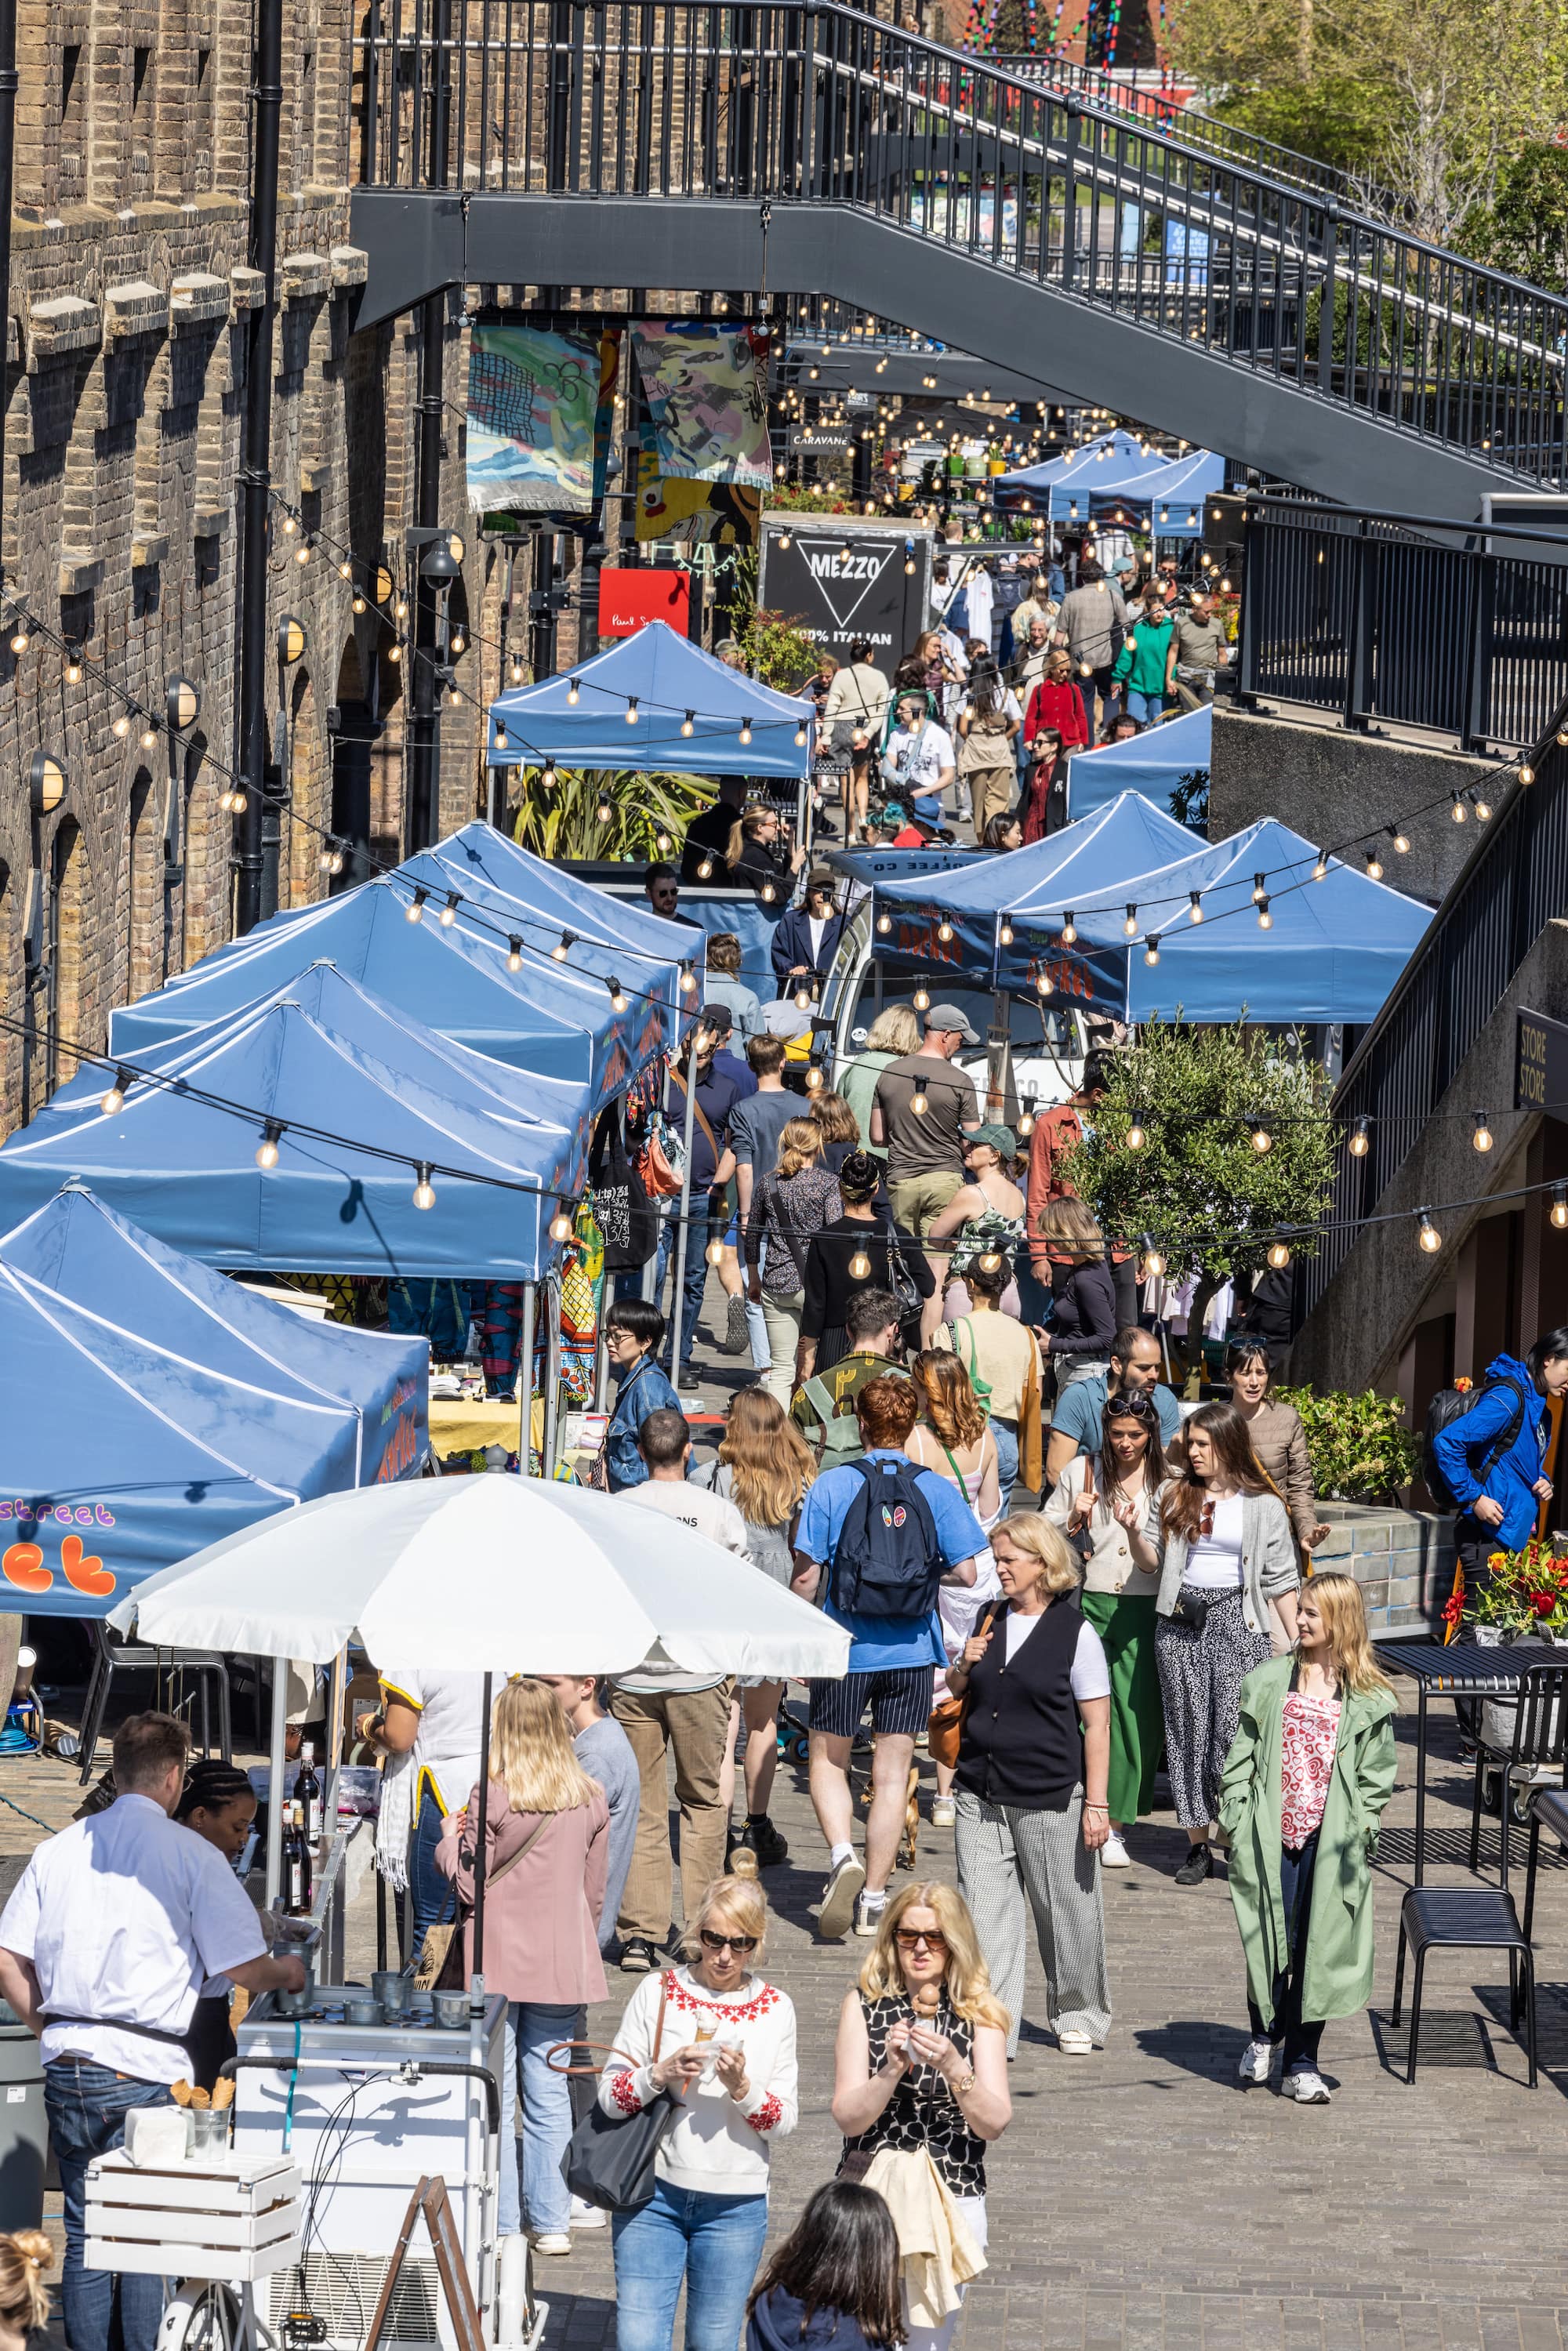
[{"x": 647, "y": 815}]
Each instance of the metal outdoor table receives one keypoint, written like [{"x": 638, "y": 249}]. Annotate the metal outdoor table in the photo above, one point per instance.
[{"x": 1463, "y": 1670}]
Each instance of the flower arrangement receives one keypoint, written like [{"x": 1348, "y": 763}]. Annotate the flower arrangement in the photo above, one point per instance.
[{"x": 1527, "y": 1591}]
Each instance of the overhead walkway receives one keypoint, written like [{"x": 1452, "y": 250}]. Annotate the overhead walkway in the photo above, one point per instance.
[{"x": 617, "y": 147}]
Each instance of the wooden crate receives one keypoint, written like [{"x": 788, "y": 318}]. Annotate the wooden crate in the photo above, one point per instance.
[{"x": 230, "y": 2217}]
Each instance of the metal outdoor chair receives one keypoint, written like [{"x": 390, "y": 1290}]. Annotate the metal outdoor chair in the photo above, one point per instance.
[
  {"x": 115, "y": 1656},
  {"x": 1464, "y": 1918},
  {"x": 1540, "y": 1722},
  {"x": 1549, "y": 1811}
]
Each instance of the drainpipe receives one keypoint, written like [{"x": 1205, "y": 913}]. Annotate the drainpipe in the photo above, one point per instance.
[{"x": 267, "y": 101}]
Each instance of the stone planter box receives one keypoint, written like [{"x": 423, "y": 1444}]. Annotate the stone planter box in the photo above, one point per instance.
[{"x": 1403, "y": 1560}]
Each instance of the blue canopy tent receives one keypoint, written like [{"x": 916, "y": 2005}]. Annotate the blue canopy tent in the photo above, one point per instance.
[
  {"x": 455, "y": 980},
  {"x": 559, "y": 897},
  {"x": 78, "y": 1248},
  {"x": 176, "y": 1160},
  {"x": 1331, "y": 950},
  {"x": 581, "y": 718},
  {"x": 1112, "y": 462},
  {"x": 125, "y": 1449},
  {"x": 1153, "y": 763},
  {"x": 1175, "y": 495},
  {"x": 1025, "y": 891}
]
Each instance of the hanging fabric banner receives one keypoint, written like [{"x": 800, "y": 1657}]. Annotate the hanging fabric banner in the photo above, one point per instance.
[
  {"x": 706, "y": 389},
  {"x": 534, "y": 399}
]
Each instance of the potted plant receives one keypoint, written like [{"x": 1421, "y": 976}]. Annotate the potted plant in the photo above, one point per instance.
[{"x": 1524, "y": 1597}]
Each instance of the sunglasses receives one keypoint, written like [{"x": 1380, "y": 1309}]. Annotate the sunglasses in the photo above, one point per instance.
[
  {"x": 909, "y": 1938},
  {"x": 1132, "y": 1407},
  {"x": 739, "y": 1944}
]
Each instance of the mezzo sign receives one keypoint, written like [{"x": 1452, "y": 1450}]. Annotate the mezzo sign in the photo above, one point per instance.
[{"x": 846, "y": 581}]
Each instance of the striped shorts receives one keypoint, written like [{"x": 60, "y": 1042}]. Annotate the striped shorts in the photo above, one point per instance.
[{"x": 899, "y": 1698}]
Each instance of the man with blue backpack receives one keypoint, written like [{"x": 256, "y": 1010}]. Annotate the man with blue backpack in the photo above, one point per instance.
[
  {"x": 1486, "y": 1452},
  {"x": 888, "y": 1534}
]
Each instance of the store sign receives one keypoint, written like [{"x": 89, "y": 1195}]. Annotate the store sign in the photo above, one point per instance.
[
  {"x": 629, "y": 600},
  {"x": 820, "y": 440},
  {"x": 1540, "y": 1065},
  {"x": 842, "y": 582}
]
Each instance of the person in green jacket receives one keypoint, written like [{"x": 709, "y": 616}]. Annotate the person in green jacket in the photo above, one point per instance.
[
  {"x": 1305, "y": 1783},
  {"x": 1142, "y": 661}
]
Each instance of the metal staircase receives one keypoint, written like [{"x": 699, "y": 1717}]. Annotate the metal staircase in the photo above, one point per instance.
[{"x": 610, "y": 146}]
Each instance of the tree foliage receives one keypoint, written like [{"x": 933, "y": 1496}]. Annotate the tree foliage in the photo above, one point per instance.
[
  {"x": 566, "y": 823},
  {"x": 1198, "y": 1187},
  {"x": 1357, "y": 1444}
]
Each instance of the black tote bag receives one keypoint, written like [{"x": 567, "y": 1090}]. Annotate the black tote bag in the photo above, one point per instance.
[{"x": 610, "y": 2162}]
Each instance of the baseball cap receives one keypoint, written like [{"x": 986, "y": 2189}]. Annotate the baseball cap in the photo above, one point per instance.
[
  {"x": 718, "y": 1017},
  {"x": 1002, "y": 1140},
  {"x": 947, "y": 1016}
]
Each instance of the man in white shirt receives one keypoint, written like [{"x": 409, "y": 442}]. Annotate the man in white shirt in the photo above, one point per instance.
[
  {"x": 113, "y": 1928},
  {"x": 660, "y": 1707}
]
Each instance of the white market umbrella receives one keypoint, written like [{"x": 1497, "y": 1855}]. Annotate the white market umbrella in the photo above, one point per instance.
[{"x": 494, "y": 1573}]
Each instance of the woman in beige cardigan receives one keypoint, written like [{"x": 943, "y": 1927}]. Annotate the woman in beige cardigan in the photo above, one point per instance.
[
  {"x": 1278, "y": 1440},
  {"x": 546, "y": 1838}
]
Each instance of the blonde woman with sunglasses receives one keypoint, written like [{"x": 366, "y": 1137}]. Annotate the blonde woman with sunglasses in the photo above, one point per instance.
[
  {"x": 921, "y": 2065},
  {"x": 726, "y": 2046}
]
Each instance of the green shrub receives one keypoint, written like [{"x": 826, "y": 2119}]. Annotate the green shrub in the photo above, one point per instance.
[{"x": 1358, "y": 1448}]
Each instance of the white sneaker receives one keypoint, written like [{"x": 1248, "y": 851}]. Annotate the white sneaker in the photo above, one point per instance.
[
  {"x": 1075, "y": 2045},
  {"x": 587, "y": 2216},
  {"x": 868, "y": 1916},
  {"x": 551, "y": 2240},
  {"x": 838, "y": 1905},
  {"x": 1114, "y": 1853},
  {"x": 944, "y": 1812},
  {"x": 1307, "y": 2086},
  {"x": 1257, "y": 2061}
]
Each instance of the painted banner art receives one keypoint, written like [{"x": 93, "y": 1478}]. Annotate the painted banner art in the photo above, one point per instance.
[
  {"x": 706, "y": 389},
  {"x": 534, "y": 401}
]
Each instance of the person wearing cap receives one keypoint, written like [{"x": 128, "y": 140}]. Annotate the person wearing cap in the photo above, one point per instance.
[
  {"x": 985, "y": 1215},
  {"x": 729, "y": 654},
  {"x": 724, "y": 987},
  {"x": 806, "y": 941},
  {"x": 918, "y": 758},
  {"x": 923, "y": 1110}
]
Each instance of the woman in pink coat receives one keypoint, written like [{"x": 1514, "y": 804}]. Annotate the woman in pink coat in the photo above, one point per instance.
[{"x": 546, "y": 1860}]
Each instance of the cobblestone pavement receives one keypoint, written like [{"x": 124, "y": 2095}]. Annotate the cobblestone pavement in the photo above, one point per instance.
[{"x": 1140, "y": 2201}]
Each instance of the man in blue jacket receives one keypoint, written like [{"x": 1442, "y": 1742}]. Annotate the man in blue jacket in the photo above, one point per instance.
[
  {"x": 1491, "y": 1458},
  {"x": 806, "y": 940}
]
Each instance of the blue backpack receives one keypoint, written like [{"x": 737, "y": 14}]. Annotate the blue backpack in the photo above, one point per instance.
[{"x": 888, "y": 1560}]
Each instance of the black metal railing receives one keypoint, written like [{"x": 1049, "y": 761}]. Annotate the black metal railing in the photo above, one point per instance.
[
  {"x": 1147, "y": 94},
  {"x": 1514, "y": 882},
  {"x": 1382, "y": 618},
  {"x": 822, "y": 103}
]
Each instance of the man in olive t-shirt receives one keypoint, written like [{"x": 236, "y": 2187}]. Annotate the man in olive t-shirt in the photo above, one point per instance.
[
  {"x": 1199, "y": 647},
  {"x": 925, "y": 1144}
]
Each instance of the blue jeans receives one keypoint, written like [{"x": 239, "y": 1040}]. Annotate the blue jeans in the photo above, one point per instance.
[
  {"x": 435, "y": 1897},
  {"x": 87, "y": 2105},
  {"x": 533, "y": 2027},
  {"x": 714, "y": 2242},
  {"x": 1144, "y": 708},
  {"x": 1007, "y": 1436}
]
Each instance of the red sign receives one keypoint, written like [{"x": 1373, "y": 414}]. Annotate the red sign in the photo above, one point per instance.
[{"x": 628, "y": 600}]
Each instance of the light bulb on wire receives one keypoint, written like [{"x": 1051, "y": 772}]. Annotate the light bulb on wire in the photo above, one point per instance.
[
  {"x": 112, "y": 1102},
  {"x": 1130, "y": 924},
  {"x": 1265, "y": 919},
  {"x": 560, "y": 1225},
  {"x": 921, "y": 998},
  {"x": 449, "y": 912},
  {"x": 1069, "y": 930},
  {"x": 424, "y": 1189},
  {"x": 1154, "y": 1260},
  {"x": 1152, "y": 948},
  {"x": 1279, "y": 1257},
  {"x": 1373, "y": 866},
  {"x": 1559, "y": 1210},
  {"x": 415, "y": 911},
  {"x": 860, "y": 1266},
  {"x": 1481, "y": 1136},
  {"x": 1195, "y": 908},
  {"x": 1401, "y": 840},
  {"x": 1261, "y": 1138},
  {"x": 883, "y": 924},
  {"x": 617, "y": 995},
  {"x": 1004, "y": 933},
  {"x": 919, "y": 1103},
  {"x": 514, "y": 954},
  {"x": 1360, "y": 1142},
  {"x": 1430, "y": 1238},
  {"x": 267, "y": 1149},
  {"x": 1137, "y": 1132}
]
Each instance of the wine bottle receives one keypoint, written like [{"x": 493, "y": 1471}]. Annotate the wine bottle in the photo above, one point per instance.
[
  {"x": 308, "y": 1794},
  {"x": 296, "y": 1865}
]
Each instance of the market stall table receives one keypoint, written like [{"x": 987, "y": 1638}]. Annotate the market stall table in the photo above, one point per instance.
[{"x": 1463, "y": 1670}]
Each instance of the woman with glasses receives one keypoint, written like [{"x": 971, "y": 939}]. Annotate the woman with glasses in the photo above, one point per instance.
[
  {"x": 1228, "y": 1576},
  {"x": 1107, "y": 1504},
  {"x": 724, "y": 2042},
  {"x": 920, "y": 2066},
  {"x": 1033, "y": 1761}
]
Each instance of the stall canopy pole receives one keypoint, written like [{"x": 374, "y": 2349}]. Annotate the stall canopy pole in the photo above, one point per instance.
[
  {"x": 274, "y": 1781},
  {"x": 683, "y": 1232},
  {"x": 479, "y": 1835},
  {"x": 526, "y": 1379}
]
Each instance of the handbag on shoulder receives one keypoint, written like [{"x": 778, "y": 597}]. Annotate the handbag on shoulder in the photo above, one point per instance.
[{"x": 609, "y": 2160}]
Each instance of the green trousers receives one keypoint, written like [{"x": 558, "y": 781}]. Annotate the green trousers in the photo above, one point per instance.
[{"x": 1126, "y": 1627}]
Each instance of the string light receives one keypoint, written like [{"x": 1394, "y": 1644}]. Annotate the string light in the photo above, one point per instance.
[
  {"x": 715, "y": 1252},
  {"x": 19, "y": 638},
  {"x": 112, "y": 1102},
  {"x": 1458, "y": 810},
  {"x": 1152, "y": 948},
  {"x": 424, "y": 1190},
  {"x": 564, "y": 946},
  {"x": 267, "y": 1149},
  {"x": 1026, "y": 1124},
  {"x": 1262, "y": 1141},
  {"x": 1069, "y": 930},
  {"x": 1482, "y": 808},
  {"x": 688, "y": 979},
  {"x": 449, "y": 912},
  {"x": 1526, "y": 772},
  {"x": 944, "y": 930},
  {"x": 705, "y": 870},
  {"x": 631, "y": 710},
  {"x": 1195, "y": 910},
  {"x": 517, "y": 671},
  {"x": 1430, "y": 1238},
  {"x": 921, "y": 998},
  {"x": 1481, "y": 1139},
  {"x": 1402, "y": 840},
  {"x": 1320, "y": 871},
  {"x": 514, "y": 954},
  {"x": 662, "y": 843},
  {"x": 415, "y": 911},
  {"x": 860, "y": 1266},
  {"x": 745, "y": 732},
  {"x": 800, "y": 735},
  {"x": 1260, "y": 888},
  {"x": 688, "y": 723},
  {"x": 1559, "y": 1210},
  {"x": 1265, "y": 919},
  {"x": 1044, "y": 985},
  {"x": 1373, "y": 866},
  {"x": 1360, "y": 1142},
  {"x": 1005, "y": 932},
  {"x": 768, "y": 894},
  {"x": 605, "y": 811},
  {"x": 883, "y": 924},
  {"x": 149, "y": 734},
  {"x": 919, "y": 1103},
  {"x": 121, "y": 726},
  {"x": 1279, "y": 1257},
  {"x": 1130, "y": 925},
  {"x": 73, "y": 665},
  {"x": 1138, "y": 1134},
  {"x": 560, "y": 1226},
  {"x": 1154, "y": 1260},
  {"x": 617, "y": 995}
]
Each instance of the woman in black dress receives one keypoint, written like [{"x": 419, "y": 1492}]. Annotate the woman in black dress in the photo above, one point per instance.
[
  {"x": 860, "y": 1251},
  {"x": 920, "y": 2065}
]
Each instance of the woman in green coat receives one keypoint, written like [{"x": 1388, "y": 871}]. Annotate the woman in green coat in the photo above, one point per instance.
[
  {"x": 1141, "y": 664},
  {"x": 1305, "y": 1783}
]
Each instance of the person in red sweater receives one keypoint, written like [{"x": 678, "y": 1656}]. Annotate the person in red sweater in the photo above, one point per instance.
[
  {"x": 1057, "y": 1135},
  {"x": 1057, "y": 702},
  {"x": 1045, "y": 801}
]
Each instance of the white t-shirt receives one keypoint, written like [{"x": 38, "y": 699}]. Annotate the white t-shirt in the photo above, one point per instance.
[
  {"x": 1214, "y": 1562},
  {"x": 129, "y": 1915},
  {"x": 451, "y": 1725},
  {"x": 1090, "y": 1675},
  {"x": 919, "y": 759},
  {"x": 712, "y": 1515}
]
